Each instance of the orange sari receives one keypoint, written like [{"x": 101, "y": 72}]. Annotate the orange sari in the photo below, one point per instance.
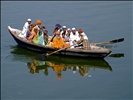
[{"x": 59, "y": 43}]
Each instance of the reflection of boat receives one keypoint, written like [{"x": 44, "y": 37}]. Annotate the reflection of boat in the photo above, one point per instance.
[
  {"x": 95, "y": 52},
  {"x": 57, "y": 63},
  {"x": 62, "y": 64}
]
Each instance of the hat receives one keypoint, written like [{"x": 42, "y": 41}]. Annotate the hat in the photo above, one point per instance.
[
  {"x": 73, "y": 28},
  {"x": 64, "y": 27},
  {"x": 29, "y": 20},
  {"x": 68, "y": 29},
  {"x": 38, "y": 22},
  {"x": 45, "y": 30},
  {"x": 80, "y": 31},
  {"x": 58, "y": 25}
]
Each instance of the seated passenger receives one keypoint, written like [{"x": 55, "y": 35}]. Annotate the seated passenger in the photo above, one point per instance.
[
  {"x": 45, "y": 36},
  {"x": 65, "y": 40},
  {"x": 57, "y": 27},
  {"x": 51, "y": 38},
  {"x": 41, "y": 36},
  {"x": 58, "y": 42},
  {"x": 83, "y": 39},
  {"x": 74, "y": 37},
  {"x": 63, "y": 37},
  {"x": 67, "y": 37},
  {"x": 64, "y": 30},
  {"x": 29, "y": 31},
  {"x": 37, "y": 26},
  {"x": 25, "y": 29},
  {"x": 34, "y": 36}
]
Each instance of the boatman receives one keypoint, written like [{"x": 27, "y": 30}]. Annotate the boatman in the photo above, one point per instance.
[
  {"x": 25, "y": 29},
  {"x": 83, "y": 40}
]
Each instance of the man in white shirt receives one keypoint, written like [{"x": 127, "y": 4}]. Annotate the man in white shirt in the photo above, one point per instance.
[
  {"x": 67, "y": 37},
  {"x": 25, "y": 28},
  {"x": 64, "y": 30},
  {"x": 74, "y": 37}
]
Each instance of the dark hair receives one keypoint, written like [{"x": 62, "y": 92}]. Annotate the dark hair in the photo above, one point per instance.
[
  {"x": 63, "y": 33},
  {"x": 43, "y": 27},
  {"x": 32, "y": 25},
  {"x": 56, "y": 28}
]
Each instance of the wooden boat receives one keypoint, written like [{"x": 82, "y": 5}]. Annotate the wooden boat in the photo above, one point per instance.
[{"x": 95, "y": 52}]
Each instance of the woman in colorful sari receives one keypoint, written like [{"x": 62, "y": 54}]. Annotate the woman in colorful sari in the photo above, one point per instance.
[
  {"x": 58, "y": 42},
  {"x": 41, "y": 35},
  {"x": 45, "y": 36},
  {"x": 34, "y": 36}
]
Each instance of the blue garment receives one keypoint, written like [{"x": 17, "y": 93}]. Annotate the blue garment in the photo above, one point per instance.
[{"x": 40, "y": 38}]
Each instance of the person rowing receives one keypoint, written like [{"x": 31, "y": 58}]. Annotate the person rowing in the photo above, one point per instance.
[
  {"x": 83, "y": 40},
  {"x": 57, "y": 28}
]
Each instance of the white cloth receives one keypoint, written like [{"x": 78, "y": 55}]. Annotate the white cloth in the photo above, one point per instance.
[
  {"x": 74, "y": 37},
  {"x": 67, "y": 38},
  {"x": 84, "y": 36},
  {"x": 24, "y": 31},
  {"x": 63, "y": 32}
]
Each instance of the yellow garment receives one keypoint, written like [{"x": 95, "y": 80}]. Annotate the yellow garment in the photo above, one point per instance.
[
  {"x": 37, "y": 27},
  {"x": 57, "y": 67},
  {"x": 58, "y": 43},
  {"x": 35, "y": 39}
]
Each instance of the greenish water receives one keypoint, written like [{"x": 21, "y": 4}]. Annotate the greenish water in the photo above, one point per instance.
[{"x": 57, "y": 77}]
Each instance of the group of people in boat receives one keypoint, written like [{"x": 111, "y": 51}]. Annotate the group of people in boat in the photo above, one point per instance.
[
  {"x": 61, "y": 36},
  {"x": 35, "y": 33}
]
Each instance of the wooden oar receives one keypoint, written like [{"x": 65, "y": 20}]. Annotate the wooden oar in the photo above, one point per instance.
[
  {"x": 117, "y": 55},
  {"x": 111, "y": 42},
  {"x": 51, "y": 40}
]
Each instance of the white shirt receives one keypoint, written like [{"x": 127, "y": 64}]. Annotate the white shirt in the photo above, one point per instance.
[
  {"x": 74, "y": 36},
  {"x": 84, "y": 35},
  {"x": 24, "y": 31},
  {"x": 63, "y": 32}
]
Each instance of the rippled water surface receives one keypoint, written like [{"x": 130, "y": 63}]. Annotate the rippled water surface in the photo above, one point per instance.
[{"x": 57, "y": 77}]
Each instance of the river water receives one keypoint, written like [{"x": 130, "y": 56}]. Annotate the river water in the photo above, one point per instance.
[{"x": 23, "y": 77}]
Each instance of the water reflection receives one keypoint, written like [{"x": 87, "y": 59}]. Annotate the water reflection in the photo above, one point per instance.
[
  {"x": 58, "y": 64},
  {"x": 83, "y": 69}
]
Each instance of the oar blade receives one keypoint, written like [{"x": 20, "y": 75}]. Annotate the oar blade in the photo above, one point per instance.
[
  {"x": 120, "y": 40},
  {"x": 117, "y": 55},
  {"x": 41, "y": 57},
  {"x": 117, "y": 40}
]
